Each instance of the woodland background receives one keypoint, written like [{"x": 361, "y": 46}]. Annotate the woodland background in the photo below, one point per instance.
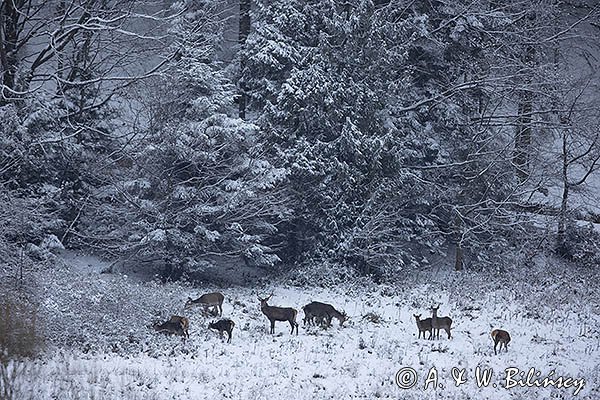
[{"x": 351, "y": 137}]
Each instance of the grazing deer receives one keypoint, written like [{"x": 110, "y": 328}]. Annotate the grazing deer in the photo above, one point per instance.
[
  {"x": 502, "y": 337},
  {"x": 423, "y": 325},
  {"x": 315, "y": 311},
  {"x": 224, "y": 325},
  {"x": 324, "y": 313},
  {"x": 176, "y": 325},
  {"x": 278, "y": 314},
  {"x": 208, "y": 300},
  {"x": 438, "y": 323}
]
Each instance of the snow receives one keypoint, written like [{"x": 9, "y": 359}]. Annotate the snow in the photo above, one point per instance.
[{"x": 554, "y": 328}]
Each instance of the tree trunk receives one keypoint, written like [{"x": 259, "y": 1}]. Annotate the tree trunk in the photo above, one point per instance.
[
  {"x": 523, "y": 132},
  {"x": 458, "y": 236},
  {"x": 458, "y": 261},
  {"x": 244, "y": 31},
  {"x": 562, "y": 217},
  {"x": 9, "y": 36},
  {"x": 523, "y": 138}
]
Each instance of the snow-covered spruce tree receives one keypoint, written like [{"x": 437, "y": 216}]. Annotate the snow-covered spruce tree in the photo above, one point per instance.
[
  {"x": 61, "y": 69},
  {"x": 200, "y": 185},
  {"x": 323, "y": 77},
  {"x": 371, "y": 106}
]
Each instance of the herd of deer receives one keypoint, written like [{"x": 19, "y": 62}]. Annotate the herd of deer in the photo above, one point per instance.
[{"x": 314, "y": 313}]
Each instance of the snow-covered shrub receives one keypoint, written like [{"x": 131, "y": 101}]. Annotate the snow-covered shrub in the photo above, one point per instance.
[
  {"x": 581, "y": 245},
  {"x": 25, "y": 223},
  {"x": 321, "y": 273}
]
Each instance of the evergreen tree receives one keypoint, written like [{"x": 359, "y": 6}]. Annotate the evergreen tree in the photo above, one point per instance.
[{"x": 200, "y": 185}]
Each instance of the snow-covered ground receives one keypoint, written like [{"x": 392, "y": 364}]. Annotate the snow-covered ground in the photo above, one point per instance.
[{"x": 108, "y": 352}]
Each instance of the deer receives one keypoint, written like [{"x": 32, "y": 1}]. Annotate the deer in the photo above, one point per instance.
[
  {"x": 176, "y": 325},
  {"x": 207, "y": 300},
  {"x": 438, "y": 323},
  {"x": 224, "y": 325},
  {"x": 423, "y": 325},
  {"x": 500, "y": 337},
  {"x": 324, "y": 312},
  {"x": 278, "y": 314}
]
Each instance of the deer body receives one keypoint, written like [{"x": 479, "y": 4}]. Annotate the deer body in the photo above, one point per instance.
[
  {"x": 208, "y": 300},
  {"x": 500, "y": 337},
  {"x": 438, "y": 323},
  {"x": 424, "y": 325},
  {"x": 224, "y": 325},
  {"x": 279, "y": 314},
  {"x": 322, "y": 312},
  {"x": 176, "y": 325}
]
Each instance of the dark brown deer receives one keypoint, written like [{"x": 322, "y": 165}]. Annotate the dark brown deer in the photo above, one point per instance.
[
  {"x": 500, "y": 337},
  {"x": 423, "y": 325},
  {"x": 278, "y": 314},
  {"x": 206, "y": 301},
  {"x": 176, "y": 325},
  {"x": 224, "y": 325},
  {"x": 322, "y": 312},
  {"x": 438, "y": 323}
]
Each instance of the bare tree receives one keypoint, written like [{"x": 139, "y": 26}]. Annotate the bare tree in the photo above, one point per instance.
[
  {"x": 580, "y": 158},
  {"x": 94, "y": 47}
]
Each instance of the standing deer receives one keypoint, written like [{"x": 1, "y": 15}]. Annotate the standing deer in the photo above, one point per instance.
[
  {"x": 224, "y": 325},
  {"x": 278, "y": 314},
  {"x": 176, "y": 325},
  {"x": 206, "y": 301},
  {"x": 438, "y": 323},
  {"x": 502, "y": 337},
  {"x": 423, "y": 325},
  {"x": 322, "y": 312}
]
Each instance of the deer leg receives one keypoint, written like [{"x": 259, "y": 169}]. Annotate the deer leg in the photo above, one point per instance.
[
  {"x": 495, "y": 344},
  {"x": 448, "y": 332},
  {"x": 272, "y": 326}
]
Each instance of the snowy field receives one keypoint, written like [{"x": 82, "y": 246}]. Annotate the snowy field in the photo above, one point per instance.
[{"x": 104, "y": 348}]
